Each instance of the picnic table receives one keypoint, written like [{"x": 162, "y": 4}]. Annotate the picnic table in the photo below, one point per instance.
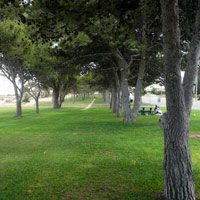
[{"x": 146, "y": 110}]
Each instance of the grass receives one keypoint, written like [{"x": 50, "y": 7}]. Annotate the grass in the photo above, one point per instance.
[{"x": 83, "y": 155}]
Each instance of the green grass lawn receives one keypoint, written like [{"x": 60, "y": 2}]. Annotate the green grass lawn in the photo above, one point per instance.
[{"x": 83, "y": 155}]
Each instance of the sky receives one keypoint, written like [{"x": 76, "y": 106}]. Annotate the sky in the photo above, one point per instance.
[{"x": 6, "y": 86}]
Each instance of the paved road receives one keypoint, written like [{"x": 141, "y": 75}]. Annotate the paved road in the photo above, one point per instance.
[{"x": 154, "y": 101}]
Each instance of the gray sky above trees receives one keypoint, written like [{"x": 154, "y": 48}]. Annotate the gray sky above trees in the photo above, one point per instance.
[{"x": 6, "y": 86}]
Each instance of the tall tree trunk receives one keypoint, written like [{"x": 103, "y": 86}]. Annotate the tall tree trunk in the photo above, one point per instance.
[
  {"x": 128, "y": 117},
  {"x": 104, "y": 96},
  {"x": 37, "y": 104},
  {"x": 18, "y": 108},
  {"x": 107, "y": 97},
  {"x": 118, "y": 90},
  {"x": 111, "y": 100},
  {"x": 55, "y": 97},
  {"x": 74, "y": 98},
  {"x": 62, "y": 94},
  {"x": 119, "y": 103},
  {"x": 191, "y": 72},
  {"x": 114, "y": 100},
  {"x": 178, "y": 173},
  {"x": 124, "y": 70},
  {"x": 83, "y": 96},
  {"x": 18, "y": 100},
  {"x": 139, "y": 84}
]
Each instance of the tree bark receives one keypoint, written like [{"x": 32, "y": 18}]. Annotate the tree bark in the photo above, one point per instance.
[
  {"x": 18, "y": 108},
  {"x": 104, "y": 96},
  {"x": 128, "y": 117},
  {"x": 141, "y": 73},
  {"x": 124, "y": 70},
  {"x": 74, "y": 98},
  {"x": 18, "y": 97},
  {"x": 55, "y": 97},
  {"x": 107, "y": 97},
  {"x": 189, "y": 81},
  {"x": 178, "y": 174},
  {"x": 37, "y": 105},
  {"x": 114, "y": 100},
  {"x": 62, "y": 94},
  {"x": 111, "y": 100},
  {"x": 118, "y": 91}
]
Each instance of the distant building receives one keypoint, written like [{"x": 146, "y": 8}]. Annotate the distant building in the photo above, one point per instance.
[{"x": 156, "y": 87}]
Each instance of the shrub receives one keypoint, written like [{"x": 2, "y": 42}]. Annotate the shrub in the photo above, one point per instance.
[{"x": 26, "y": 98}]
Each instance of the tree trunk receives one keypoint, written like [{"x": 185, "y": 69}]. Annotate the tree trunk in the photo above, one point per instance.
[
  {"x": 128, "y": 117},
  {"x": 138, "y": 90},
  {"x": 62, "y": 94},
  {"x": 178, "y": 174},
  {"x": 107, "y": 97},
  {"x": 18, "y": 108},
  {"x": 104, "y": 96},
  {"x": 119, "y": 103},
  {"x": 37, "y": 105},
  {"x": 139, "y": 84},
  {"x": 55, "y": 97},
  {"x": 114, "y": 100},
  {"x": 18, "y": 100},
  {"x": 125, "y": 71},
  {"x": 189, "y": 81},
  {"x": 118, "y": 90},
  {"x": 74, "y": 98},
  {"x": 83, "y": 96},
  {"x": 111, "y": 100}
]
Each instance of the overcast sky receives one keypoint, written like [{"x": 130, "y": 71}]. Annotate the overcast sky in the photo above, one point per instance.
[{"x": 6, "y": 86}]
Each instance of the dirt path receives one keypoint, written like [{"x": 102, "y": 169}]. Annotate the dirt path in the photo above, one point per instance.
[
  {"x": 194, "y": 135},
  {"x": 90, "y": 105}
]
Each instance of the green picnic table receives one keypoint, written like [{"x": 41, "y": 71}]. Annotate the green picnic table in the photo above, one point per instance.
[{"x": 146, "y": 110}]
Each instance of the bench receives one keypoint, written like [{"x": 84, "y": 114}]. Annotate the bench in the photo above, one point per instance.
[{"x": 146, "y": 110}]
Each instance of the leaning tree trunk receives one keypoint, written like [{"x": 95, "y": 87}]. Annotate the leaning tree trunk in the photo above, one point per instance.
[
  {"x": 139, "y": 84},
  {"x": 18, "y": 101},
  {"x": 178, "y": 173}
]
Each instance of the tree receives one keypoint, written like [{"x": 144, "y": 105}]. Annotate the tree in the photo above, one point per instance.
[
  {"x": 178, "y": 174},
  {"x": 33, "y": 86},
  {"x": 13, "y": 69}
]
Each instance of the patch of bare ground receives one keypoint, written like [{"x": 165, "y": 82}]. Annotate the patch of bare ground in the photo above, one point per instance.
[
  {"x": 158, "y": 195},
  {"x": 194, "y": 135}
]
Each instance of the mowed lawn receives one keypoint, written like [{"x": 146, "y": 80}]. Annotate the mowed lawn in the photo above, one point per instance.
[{"x": 83, "y": 155}]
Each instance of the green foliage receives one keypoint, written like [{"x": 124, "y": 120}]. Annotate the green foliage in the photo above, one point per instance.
[
  {"x": 14, "y": 38},
  {"x": 154, "y": 91},
  {"x": 26, "y": 98}
]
